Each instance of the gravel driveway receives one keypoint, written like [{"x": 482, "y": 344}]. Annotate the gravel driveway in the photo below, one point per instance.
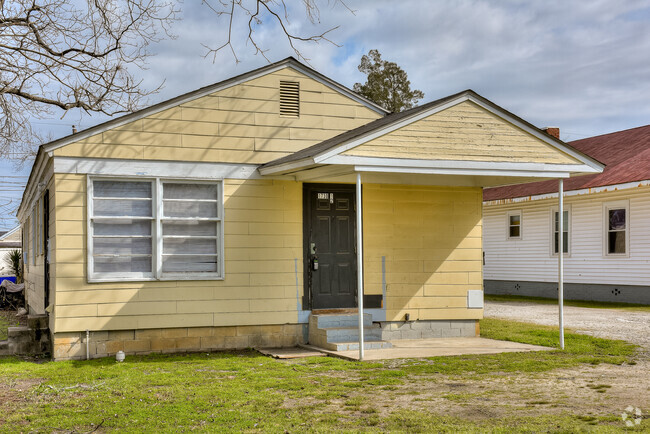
[{"x": 606, "y": 323}]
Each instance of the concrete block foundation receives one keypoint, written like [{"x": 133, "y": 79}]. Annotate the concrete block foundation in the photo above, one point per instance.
[
  {"x": 72, "y": 346},
  {"x": 426, "y": 329}
]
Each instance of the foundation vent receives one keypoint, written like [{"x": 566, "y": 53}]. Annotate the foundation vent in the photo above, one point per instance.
[{"x": 289, "y": 98}]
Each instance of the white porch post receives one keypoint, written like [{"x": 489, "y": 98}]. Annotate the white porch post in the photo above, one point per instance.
[
  {"x": 360, "y": 265},
  {"x": 560, "y": 260}
]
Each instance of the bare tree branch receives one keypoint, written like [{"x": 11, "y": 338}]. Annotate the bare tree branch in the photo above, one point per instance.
[
  {"x": 278, "y": 12},
  {"x": 77, "y": 54}
]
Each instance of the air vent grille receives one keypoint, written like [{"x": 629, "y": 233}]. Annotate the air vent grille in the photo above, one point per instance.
[{"x": 289, "y": 98}]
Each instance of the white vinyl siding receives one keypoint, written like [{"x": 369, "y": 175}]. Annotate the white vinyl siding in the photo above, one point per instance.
[
  {"x": 153, "y": 229},
  {"x": 529, "y": 258}
]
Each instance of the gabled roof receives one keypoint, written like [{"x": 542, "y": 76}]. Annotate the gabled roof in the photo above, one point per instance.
[
  {"x": 625, "y": 153},
  {"x": 318, "y": 153},
  {"x": 207, "y": 90}
]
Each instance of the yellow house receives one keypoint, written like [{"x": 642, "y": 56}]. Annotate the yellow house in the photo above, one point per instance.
[{"x": 226, "y": 217}]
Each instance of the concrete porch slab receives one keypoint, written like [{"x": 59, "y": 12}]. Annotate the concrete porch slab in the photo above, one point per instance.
[{"x": 420, "y": 348}]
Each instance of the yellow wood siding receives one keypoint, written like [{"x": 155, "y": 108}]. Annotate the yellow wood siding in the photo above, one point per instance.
[
  {"x": 240, "y": 124},
  {"x": 263, "y": 244},
  {"x": 431, "y": 239},
  {"x": 462, "y": 132},
  {"x": 34, "y": 270}
]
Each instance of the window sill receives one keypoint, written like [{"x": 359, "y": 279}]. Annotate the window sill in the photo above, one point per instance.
[{"x": 153, "y": 279}]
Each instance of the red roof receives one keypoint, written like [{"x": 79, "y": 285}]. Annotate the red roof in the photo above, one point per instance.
[{"x": 626, "y": 155}]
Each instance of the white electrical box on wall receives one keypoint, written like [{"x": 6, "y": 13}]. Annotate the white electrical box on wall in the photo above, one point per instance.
[{"x": 475, "y": 299}]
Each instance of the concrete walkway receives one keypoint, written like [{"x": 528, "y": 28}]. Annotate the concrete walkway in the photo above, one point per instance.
[{"x": 420, "y": 348}]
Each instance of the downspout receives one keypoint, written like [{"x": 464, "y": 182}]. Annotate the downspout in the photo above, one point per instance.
[{"x": 360, "y": 265}]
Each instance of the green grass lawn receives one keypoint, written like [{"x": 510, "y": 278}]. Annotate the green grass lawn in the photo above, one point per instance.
[
  {"x": 245, "y": 391},
  {"x": 576, "y": 303}
]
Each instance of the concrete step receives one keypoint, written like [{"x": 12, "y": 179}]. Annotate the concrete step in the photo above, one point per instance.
[
  {"x": 19, "y": 334},
  {"x": 344, "y": 334},
  {"x": 4, "y": 348},
  {"x": 340, "y": 332},
  {"x": 339, "y": 320},
  {"x": 352, "y": 346},
  {"x": 36, "y": 322}
]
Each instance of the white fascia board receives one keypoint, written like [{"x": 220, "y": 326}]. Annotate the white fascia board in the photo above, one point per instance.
[
  {"x": 461, "y": 171},
  {"x": 457, "y": 164},
  {"x": 387, "y": 129},
  {"x": 287, "y": 167},
  {"x": 583, "y": 191},
  {"x": 177, "y": 169},
  {"x": 182, "y": 99},
  {"x": 541, "y": 136},
  {"x": 32, "y": 187}
]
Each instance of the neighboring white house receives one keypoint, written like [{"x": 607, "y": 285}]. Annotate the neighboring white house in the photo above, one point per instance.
[
  {"x": 10, "y": 240},
  {"x": 606, "y": 230}
]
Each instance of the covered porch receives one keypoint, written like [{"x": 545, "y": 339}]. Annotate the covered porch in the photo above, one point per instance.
[{"x": 392, "y": 217}]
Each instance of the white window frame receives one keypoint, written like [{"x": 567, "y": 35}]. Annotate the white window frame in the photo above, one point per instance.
[
  {"x": 607, "y": 206},
  {"x": 156, "y": 232},
  {"x": 568, "y": 228},
  {"x": 520, "y": 213}
]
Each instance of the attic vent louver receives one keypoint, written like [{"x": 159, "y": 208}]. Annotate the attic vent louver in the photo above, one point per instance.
[{"x": 289, "y": 98}]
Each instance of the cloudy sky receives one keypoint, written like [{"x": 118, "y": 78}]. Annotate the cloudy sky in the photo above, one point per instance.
[{"x": 583, "y": 66}]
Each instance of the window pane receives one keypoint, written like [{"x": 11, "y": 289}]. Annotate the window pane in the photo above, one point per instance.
[
  {"x": 616, "y": 242},
  {"x": 189, "y": 245},
  {"x": 565, "y": 240},
  {"x": 121, "y": 246},
  {"x": 121, "y": 189},
  {"x": 190, "y": 191},
  {"x": 190, "y": 209},
  {"x": 121, "y": 207},
  {"x": 123, "y": 227},
  {"x": 514, "y": 231},
  {"x": 515, "y": 219},
  {"x": 616, "y": 219},
  {"x": 138, "y": 264},
  {"x": 190, "y": 228},
  {"x": 188, "y": 264}
]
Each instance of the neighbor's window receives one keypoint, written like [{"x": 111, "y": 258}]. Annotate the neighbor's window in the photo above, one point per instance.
[
  {"x": 565, "y": 231},
  {"x": 616, "y": 228},
  {"x": 154, "y": 229},
  {"x": 514, "y": 225}
]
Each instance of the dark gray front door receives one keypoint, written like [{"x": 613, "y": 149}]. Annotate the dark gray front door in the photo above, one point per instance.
[{"x": 330, "y": 248}]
